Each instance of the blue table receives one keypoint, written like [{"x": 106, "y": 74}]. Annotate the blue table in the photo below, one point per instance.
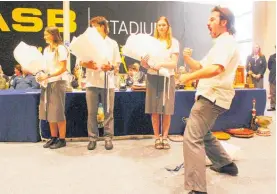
[
  {"x": 19, "y": 113},
  {"x": 130, "y": 117},
  {"x": 239, "y": 115}
]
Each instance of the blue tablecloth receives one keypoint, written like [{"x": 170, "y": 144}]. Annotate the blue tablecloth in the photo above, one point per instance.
[
  {"x": 130, "y": 117},
  {"x": 19, "y": 113},
  {"x": 239, "y": 115}
]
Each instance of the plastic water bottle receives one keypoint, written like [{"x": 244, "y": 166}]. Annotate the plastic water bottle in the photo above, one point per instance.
[{"x": 100, "y": 116}]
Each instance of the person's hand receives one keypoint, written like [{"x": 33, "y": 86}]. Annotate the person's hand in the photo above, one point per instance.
[
  {"x": 89, "y": 64},
  {"x": 254, "y": 75},
  {"x": 187, "y": 52},
  {"x": 106, "y": 67},
  {"x": 42, "y": 77},
  {"x": 258, "y": 76},
  {"x": 184, "y": 78},
  {"x": 144, "y": 62}
]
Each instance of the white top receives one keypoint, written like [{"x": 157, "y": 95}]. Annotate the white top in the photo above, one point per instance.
[
  {"x": 52, "y": 63},
  {"x": 95, "y": 78},
  {"x": 174, "y": 49},
  {"x": 219, "y": 89}
]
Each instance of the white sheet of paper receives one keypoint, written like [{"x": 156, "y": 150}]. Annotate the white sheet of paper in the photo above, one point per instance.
[
  {"x": 140, "y": 45},
  {"x": 29, "y": 57},
  {"x": 90, "y": 46}
]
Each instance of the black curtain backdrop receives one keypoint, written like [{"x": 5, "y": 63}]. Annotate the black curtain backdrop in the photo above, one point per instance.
[{"x": 188, "y": 22}]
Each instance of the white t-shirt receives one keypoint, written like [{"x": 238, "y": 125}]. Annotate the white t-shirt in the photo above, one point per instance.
[
  {"x": 219, "y": 89},
  {"x": 52, "y": 63},
  {"x": 174, "y": 49},
  {"x": 95, "y": 78}
]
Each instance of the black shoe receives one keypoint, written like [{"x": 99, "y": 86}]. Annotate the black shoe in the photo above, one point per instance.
[
  {"x": 230, "y": 169},
  {"x": 197, "y": 192},
  {"x": 60, "y": 143},
  {"x": 52, "y": 141},
  {"x": 271, "y": 109},
  {"x": 108, "y": 144},
  {"x": 92, "y": 145}
]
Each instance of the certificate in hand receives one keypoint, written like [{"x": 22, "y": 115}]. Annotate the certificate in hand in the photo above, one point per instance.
[
  {"x": 90, "y": 46},
  {"x": 29, "y": 57},
  {"x": 140, "y": 45}
]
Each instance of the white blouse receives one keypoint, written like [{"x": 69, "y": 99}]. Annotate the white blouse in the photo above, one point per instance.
[
  {"x": 52, "y": 64},
  {"x": 174, "y": 49}
]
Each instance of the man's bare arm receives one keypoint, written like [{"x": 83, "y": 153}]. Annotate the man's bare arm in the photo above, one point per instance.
[{"x": 193, "y": 64}]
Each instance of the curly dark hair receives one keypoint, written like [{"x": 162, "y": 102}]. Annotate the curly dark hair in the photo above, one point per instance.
[{"x": 226, "y": 14}]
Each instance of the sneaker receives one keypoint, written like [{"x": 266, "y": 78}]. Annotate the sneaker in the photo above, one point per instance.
[
  {"x": 60, "y": 143},
  {"x": 92, "y": 145},
  {"x": 52, "y": 141},
  {"x": 230, "y": 169},
  {"x": 108, "y": 144}
]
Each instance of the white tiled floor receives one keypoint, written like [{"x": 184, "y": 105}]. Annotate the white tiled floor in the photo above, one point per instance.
[{"x": 133, "y": 167}]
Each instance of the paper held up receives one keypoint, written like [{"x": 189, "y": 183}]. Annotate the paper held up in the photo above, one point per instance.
[
  {"x": 90, "y": 46},
  {"x": 140, "y": 45},
  {"x": 29, "y": 57}
]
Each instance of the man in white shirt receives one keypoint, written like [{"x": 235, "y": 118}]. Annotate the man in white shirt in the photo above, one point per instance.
[
  {"x": 214, "y": 96},
  {"x": 95, "y": 87}
]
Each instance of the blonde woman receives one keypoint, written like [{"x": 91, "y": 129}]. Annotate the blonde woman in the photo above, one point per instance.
[
  {"x": 52, "y": 98},
  {"x": 155, "y": 85}
]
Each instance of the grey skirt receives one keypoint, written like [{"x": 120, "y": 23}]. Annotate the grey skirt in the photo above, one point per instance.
[
  {"x": 52, "y": 102},
  {"x": 155, "y": 93}
]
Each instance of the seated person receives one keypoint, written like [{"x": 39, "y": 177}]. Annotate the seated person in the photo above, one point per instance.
[
  {"x": 3, "y": 75},
  {"x": 77, "y": 72},
  {"x": 17, "y": 72},
  {"x": 25, "y": 81},
  {"x": 79, "y": 76},
  {"x": 3, "y": 83},
  {"x": 134, "y": 75},
  {"x": 4, "y": 80},
  {"x": 74, "y": 83},
  {"x": 178, "y": 73}
]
